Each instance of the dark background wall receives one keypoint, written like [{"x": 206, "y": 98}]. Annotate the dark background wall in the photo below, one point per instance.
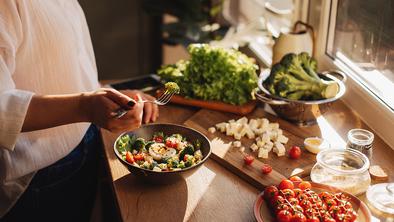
[{"x": 126, "y": 40}]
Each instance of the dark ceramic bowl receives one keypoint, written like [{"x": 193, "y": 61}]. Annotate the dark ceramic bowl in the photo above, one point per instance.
[{"x": 168, "y": 177}]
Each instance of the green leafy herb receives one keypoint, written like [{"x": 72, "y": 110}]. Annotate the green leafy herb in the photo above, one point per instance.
[{"x": 214, "y": 73}]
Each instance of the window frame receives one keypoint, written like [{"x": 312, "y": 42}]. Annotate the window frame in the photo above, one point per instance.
[{"x": 377, "y": 115}]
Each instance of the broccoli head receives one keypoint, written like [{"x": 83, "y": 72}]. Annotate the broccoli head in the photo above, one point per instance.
[{"x": 295, "y": 77}]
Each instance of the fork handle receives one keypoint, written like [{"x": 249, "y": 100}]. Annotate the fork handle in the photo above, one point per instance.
[{"x": 121, "y": 111}]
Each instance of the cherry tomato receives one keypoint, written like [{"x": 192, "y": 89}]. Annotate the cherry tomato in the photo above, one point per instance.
[
  {"x": 335, "y": 210},
  {"x": 310, "y": 212},
  {"x": 266, "y": 169},
  {"x": 270, "y": 192},
  {"x": 304, "y": 185},
  {"x": 276, "y": 200},
  {"x": 248, "y": 159},
  {"x": 129, "y": 157},
  {"x": 283, "y": 206},
  {"x": 351, "y": 216},
  {"x": 328, "y": 219},
  {"x": 138, "y": 157},
  {"x": 185, "y": 157},
  {"x": 306, "y": 204},
  {"x": 286, "y": 184},
  {"x": 297, "y": 191},
  {"x": 158, "y": 139},
  {"x": 330, "y": 203},
  {"x": 302, "y": 197},
  {"x": 287, "y": 193},
  {"x": 283, "y": 216},
  {"x": 295, "y": 152},
  {"x": 296, "y": 179},
  {"x": 339, "y": 217},
  {"x": 298, "y": 217},
  {"x": 169, "y": 143},
  {"x": 297, "y": 208},
  {"x": 325, "y": 195},
  {"x": 312, "y": 219},
  {"x": 293, "y": 201},
  {"x": 347, "y": 205}
]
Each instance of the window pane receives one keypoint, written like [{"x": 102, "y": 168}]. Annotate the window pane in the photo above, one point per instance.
[{"x": 364, "y": 40}]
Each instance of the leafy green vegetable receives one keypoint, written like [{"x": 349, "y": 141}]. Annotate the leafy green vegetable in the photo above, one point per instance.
[
  {"x": 125, "y": 143},
  {"x": 295, "y": 77},
  {"x": 189, "y": 149},
  {"x": 213, "y": 73},
  {"x": 139, "y": 144}
]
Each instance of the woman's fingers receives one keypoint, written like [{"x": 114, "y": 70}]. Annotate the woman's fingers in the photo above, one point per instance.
[
  {"x": 147, "y": 112},
  {"x": 151, "y": 110},
  {"x": 119, "y": 98}
]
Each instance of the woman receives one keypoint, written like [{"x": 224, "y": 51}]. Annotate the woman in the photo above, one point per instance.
[{"x": 49, "y": 96}]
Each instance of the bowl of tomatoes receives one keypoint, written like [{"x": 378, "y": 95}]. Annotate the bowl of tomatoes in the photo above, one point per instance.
[{"x": 295, "y": 200}]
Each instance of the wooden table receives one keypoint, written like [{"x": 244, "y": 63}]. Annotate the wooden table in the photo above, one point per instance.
[{"x": 213, "y": 193}]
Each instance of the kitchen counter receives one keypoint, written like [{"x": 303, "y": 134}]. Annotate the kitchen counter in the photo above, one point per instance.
[{"x": 214, "y": 193}]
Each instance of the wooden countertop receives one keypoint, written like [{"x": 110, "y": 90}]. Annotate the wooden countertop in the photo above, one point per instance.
[{"x": 213, "y": 193}]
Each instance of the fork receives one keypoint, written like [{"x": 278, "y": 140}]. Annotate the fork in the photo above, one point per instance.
[{"x": 162, "y": 100}]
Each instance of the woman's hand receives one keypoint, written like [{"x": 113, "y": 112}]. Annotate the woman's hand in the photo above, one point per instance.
[
  {"x": 151, "y": 110},
  {"x": 99, "y": 106}
]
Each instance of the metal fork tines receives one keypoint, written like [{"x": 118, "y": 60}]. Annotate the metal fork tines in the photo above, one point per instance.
[{"x": 162, "y": 100}]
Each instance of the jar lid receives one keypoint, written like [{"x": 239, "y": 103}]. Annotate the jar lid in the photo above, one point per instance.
[{"x": 381, "y": 196}]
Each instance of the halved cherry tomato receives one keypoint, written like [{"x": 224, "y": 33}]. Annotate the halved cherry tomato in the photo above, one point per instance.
[
  {"x": 296, "y": 179},
  {"x": 286, "y": 184},
  {"x": 270, "y": 192},
  {"x": 138, "y": 157},
  {"x": 248, "y": 159},
  {"x": 283, "y": 216},
  {"x": 266, "y": 169},
  {"x": 304, "y": 185},
  {"x": 185, "y": 157},
  {"x": 170, "y": 144},
  {"x": 158, "y": 139},
  {"x": 129, "y": 157},
  {"x": 295, "y": 152}
]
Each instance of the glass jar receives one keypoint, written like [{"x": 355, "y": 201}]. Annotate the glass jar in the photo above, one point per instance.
[
  {"x": 361, "y": 140},
  {"x": 344, "y": 169}
]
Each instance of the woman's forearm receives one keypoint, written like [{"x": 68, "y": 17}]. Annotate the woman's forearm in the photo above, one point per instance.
[{"x": 54, "y": 110}]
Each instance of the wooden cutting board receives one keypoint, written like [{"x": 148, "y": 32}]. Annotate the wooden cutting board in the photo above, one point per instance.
[
  {"x": 213, "y": 105},
  {"x": 232, "y": 158}
]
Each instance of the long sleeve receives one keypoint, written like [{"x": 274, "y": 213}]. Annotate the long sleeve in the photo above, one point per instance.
[{"x": 13, "y": 102}]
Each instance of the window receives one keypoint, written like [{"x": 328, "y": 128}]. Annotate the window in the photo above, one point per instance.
[
  {"x": 355, "y": 36},
  {"x": 362, "y": 37}
]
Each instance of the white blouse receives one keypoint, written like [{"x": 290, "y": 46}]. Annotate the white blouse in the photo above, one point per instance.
[{"x": 45, "y": 48}]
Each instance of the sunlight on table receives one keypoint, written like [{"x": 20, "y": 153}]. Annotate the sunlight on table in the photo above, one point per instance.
[
  {"x": 197, "y": 185},
  {"x": 330, "y": 134}
]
